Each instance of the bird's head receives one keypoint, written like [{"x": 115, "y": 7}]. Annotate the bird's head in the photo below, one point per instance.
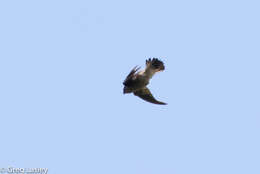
[{"x": 127, "y": 90}]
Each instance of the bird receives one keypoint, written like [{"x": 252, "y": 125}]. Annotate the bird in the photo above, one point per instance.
[{"x": 136, "y": 81}]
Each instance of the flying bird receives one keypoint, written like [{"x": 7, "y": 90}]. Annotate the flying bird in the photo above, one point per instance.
[{"x": 136, "y": 81}]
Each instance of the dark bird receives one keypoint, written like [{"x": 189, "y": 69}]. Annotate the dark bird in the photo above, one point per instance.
[{"x": 136, "y": 81}]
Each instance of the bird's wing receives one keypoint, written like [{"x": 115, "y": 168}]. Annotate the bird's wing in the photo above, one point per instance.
[
  {"x": 129, "y": 79},
  {"x": 146, "y": 95}
]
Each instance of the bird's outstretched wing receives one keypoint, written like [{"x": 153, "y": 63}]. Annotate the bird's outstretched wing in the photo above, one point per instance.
[
  {"x": 130, "y": 77},
  {"x": 146, "y": 95}
]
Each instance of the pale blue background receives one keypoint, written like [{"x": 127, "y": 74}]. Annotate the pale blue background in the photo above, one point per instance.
[{"x": 62, "y": 64}]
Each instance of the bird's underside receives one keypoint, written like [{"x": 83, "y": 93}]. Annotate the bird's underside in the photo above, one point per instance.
[{"x": 136, "y": 82}]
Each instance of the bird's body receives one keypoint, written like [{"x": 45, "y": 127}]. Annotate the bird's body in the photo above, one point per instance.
[{"x": 136, "y": 81}]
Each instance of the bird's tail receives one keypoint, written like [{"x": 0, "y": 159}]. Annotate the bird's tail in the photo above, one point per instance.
[{"x": 155, "y": 64}]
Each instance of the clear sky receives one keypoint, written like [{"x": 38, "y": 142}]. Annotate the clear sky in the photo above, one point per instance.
[{"x": 62, "y": 64}]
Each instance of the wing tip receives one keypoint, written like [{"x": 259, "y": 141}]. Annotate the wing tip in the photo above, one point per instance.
[
  {"x": 161, "y": 103},
  {"x": 146, "y": 95}
]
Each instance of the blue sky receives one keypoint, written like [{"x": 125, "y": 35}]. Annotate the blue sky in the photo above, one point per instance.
[{"x": 62, "y": 64}]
